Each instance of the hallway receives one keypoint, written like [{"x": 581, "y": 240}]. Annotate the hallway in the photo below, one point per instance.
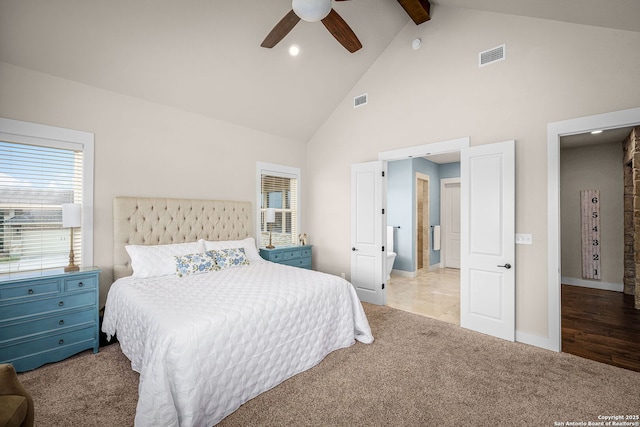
[{"x": 601, "y": 325}]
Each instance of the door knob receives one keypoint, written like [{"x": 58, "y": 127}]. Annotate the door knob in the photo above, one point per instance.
[
  {"x": 507, "y": 266},
  {"x": 354, "y": 249}
]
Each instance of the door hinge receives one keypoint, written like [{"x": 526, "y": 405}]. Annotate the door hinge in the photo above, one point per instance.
[
  {"x": 383, "y": 249},
  {"x": 382, "y": 211},
  {"x": 383, "y": 286},
  {"x": 383, "y": 174}
]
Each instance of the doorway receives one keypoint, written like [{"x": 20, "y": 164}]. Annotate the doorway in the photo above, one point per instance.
[
  {"x": 598, "y": 320},
  {"x": 420, "y": 283},
  {"x": 555, "y": 131},
  {"x": 422, "y": 221},
  {"x": 487, "y": 277}
]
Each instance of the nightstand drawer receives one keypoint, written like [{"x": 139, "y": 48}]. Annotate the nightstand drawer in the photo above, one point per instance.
[
  {"x": 53, "y": 341},
  {"x": 61, "y": 302},
  {"x": 30, "y": 289},
  {"x": 274, "y": 256},
  {"x": 58, "y": 322},
  {"x": 296, "y": 256},
  {"x": 80, "y": 283},
  {"x": 300, "y": 262},
  {"x": 291, "y": 254}
]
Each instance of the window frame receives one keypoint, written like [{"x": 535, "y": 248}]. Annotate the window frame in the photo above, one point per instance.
[
  {"x": 57, "y": 137},
  {"x": 272, "y": 169}
]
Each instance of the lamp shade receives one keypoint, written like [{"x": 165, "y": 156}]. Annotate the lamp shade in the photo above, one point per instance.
[
  {"x": 71, "y": 215},
  {"x": 270, "y": 215},
  {"x": 311, "y": 10}
]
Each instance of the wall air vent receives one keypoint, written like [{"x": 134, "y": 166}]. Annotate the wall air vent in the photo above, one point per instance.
[
  {"x": 492, "y": 55},
  {"x": 360, "y": 100}
]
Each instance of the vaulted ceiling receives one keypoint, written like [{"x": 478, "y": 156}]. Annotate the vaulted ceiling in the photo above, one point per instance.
[{"x": 204, "y": 56}]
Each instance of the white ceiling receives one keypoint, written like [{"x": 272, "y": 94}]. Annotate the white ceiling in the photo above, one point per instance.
[{"x": 204, "y": 56}]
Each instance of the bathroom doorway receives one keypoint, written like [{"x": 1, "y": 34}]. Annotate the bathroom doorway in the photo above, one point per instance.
[{"x": 420, "y": 282}]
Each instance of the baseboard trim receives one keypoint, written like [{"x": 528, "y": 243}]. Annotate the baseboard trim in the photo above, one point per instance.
[
  {"x": 402, "y": 273},
  {"x": 535, "y": 340},
  {"x": 606, "y": 286}
]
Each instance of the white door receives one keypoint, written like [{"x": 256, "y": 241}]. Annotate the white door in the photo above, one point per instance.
[
  {"x": 451, "y": 223},
  {"x": 368, "y": 258},
  {"x": 487, "y": 275}
]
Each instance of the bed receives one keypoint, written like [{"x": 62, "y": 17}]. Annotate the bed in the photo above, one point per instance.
[{"x": 205, "y": 321}]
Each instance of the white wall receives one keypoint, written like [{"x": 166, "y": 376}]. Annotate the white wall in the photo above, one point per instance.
[
  {"x": 553, "y": 71},
  {"x": 145, "y": 149},
  {"x": 596, "y": 167}
]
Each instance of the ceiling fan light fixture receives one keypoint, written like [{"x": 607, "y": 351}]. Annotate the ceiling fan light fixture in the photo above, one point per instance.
[{"x": 311, "y": 10}]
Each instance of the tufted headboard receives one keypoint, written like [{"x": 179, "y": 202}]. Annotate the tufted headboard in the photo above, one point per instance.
[{"x": 157, "y": 221}]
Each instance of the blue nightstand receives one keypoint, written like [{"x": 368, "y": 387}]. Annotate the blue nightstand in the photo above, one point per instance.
[
  {"x": 297, "y": 256},
  {"x": 47, "y": 316}
]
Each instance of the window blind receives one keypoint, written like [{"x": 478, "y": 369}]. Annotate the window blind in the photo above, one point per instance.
[
  {"x": 281, "y": 193},
  {"x": 34, "y": 183}
]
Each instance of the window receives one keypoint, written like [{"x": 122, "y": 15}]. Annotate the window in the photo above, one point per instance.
[
  {"x": 278, "y": 188},
  {"x": 42, "y": 167}
]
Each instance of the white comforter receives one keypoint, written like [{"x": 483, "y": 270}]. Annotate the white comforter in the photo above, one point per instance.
[{"x": 205, "y": 344}]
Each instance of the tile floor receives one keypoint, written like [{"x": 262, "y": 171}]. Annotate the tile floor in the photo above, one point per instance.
[{"x": 433, "y": 293}]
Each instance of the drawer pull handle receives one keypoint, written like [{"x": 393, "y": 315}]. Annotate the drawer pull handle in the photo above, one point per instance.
[
  {"x": 61, "y": 341},
  {"x": 61, "y": 322},
  {"x": 30, "y": 291},
  {"x": 80, "y": 284},
  {"x": 61, "y": 303}
]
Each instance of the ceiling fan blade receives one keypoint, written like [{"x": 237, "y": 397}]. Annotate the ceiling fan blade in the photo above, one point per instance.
[
  {"x": 281, "y": 29},
  {"x": 341, "y": 31},
  {"x": 418, "y": 10}
]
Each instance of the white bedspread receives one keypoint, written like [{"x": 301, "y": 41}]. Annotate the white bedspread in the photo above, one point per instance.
[{"x": 207, "y": 343}]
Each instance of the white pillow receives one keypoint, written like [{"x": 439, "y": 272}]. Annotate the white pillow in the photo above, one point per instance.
[
  {"x": 248, "y": 244},
  {"x": 157, "y": 260}
]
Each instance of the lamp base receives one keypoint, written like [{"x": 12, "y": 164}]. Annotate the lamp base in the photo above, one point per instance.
[
  {"x": 270, "y": 246},
  {"x": 72, "y": 265}
]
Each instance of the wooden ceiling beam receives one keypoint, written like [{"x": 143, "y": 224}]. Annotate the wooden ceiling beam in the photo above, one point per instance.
[{"x": 418, "y": 10}]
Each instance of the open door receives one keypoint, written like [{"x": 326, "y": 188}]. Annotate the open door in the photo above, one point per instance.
[
  {"x": 487, "y": 274},
  {"x": 368, "y": 255}
]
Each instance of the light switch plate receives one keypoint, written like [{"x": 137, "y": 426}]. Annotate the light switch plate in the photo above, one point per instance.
[{"x": 524, "y": 239}]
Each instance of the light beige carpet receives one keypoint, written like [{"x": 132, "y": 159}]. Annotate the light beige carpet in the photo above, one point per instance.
[{"x": 418, "y": 372}]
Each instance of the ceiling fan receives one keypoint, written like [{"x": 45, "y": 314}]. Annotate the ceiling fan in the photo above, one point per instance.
[
  {"x": 314, "y": 11},
  {"x": 321, "y": 10}
]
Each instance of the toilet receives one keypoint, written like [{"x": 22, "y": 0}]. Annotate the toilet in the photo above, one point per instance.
[{"x": 391, "y": 255}]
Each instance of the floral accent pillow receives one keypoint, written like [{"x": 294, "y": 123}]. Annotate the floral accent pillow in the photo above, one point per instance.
[
  {"x": 226, "y": 258},
  {"x": 195, "y": 263}
]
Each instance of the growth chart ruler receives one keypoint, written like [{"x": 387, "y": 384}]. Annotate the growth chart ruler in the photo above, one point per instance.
[{"x": 590, "y": 215}]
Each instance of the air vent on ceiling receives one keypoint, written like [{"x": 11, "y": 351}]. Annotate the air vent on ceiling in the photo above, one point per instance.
[
  {"x": 360, "y": 100},
  {"x": 492, "y": 55}
]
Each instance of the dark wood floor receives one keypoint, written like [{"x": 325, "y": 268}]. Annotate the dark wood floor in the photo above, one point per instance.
[{"x": 601, "y": 325}]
